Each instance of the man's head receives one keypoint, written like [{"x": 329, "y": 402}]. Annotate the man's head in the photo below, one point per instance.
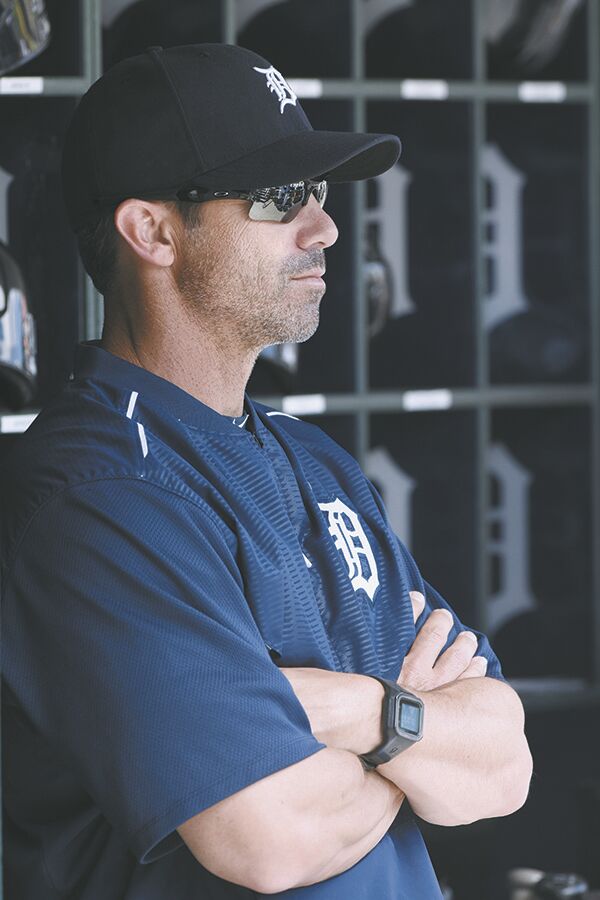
[
  {"x": 256, "y": 281},
  {"x": 178, "y": 148}
]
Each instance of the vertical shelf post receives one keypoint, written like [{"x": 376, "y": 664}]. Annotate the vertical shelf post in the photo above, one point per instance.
[
  {"x": 91, "y": 43},
  {"x": 482, "y": 412},
  {"x": 593, "y": 35},
  {"x": 361, "y": 340}
]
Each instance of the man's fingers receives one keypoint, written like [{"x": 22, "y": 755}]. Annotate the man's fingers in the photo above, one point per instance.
[
  {"x": 419, "y": 661},
  {"x": 476, "y": 668},
  {"x": 453, "y": 661},
  {"x": 418, "y": 603},
  {"x": 425, "y": 667}
]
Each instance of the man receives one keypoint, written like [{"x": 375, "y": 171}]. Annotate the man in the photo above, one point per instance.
[{"x": 201, "y": 594}]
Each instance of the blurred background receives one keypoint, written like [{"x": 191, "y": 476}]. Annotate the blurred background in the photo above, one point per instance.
[{"x": 458, "y": 356}]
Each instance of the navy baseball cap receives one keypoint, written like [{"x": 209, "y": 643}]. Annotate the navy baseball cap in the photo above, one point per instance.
[{"x": 214, "y": 116}]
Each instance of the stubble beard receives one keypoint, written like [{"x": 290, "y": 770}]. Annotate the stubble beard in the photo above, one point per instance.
[{"x": 254, "y": 305}]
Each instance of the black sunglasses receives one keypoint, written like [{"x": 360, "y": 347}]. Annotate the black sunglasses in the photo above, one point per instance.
[{"x": 271, "y": 204}]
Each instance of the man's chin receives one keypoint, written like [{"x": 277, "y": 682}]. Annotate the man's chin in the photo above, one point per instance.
[{"x": 303, "y": 332}]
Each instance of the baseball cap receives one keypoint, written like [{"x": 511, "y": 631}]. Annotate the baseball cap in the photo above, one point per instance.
[{"x": 216, "y": 116}]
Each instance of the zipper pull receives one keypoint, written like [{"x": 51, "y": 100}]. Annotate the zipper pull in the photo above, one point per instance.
[{"x": 274, "y": 654}]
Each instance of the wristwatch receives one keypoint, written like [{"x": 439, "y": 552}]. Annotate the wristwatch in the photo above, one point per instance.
[{"x": 401, "y": 724}]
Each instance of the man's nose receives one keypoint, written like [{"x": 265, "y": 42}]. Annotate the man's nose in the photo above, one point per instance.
[{"x": 315, "y": 227}]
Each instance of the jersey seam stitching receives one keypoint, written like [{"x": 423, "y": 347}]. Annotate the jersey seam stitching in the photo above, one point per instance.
[{"x": 139, "y": 478}]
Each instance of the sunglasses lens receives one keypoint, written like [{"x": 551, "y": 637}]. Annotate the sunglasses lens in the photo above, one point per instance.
[
  {"x": 321, "y": 193},
  {"x": 292, "y": 212},
  {"x": 294, "y": 198},
  {"x": 266, "y": 212}
]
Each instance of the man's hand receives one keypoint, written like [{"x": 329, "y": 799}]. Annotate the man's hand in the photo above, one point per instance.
[
  {"x": 344, "y": 710},
  {"x": 473, "y": 761},
  {"x": 424, "y": 669}
]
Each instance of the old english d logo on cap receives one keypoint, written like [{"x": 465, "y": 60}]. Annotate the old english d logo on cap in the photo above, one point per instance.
[
  {"x": 200, "y": 114},
  {"x": 278, "y": 85}
]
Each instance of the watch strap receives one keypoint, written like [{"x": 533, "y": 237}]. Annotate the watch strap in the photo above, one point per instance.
[{"x": 393, "y": 743}]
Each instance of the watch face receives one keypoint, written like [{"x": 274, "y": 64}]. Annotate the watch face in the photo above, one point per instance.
[{"x": 410, "y": 717}]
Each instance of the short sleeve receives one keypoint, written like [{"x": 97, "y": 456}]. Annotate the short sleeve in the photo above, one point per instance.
[{"x": 130, "y": 644}]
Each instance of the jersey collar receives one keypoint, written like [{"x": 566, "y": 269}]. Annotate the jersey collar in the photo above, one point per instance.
[{"x": 94, "y": 362}]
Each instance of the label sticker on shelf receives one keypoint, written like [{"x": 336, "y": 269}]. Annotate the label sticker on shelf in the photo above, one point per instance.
[
  {"x": 306, "y": 87},
  {"x": 304, "y": 404},
  {"x": 424, "y": 89},
  {"x": 438, "y": 399},
  {"x": 542, "y": 91},
  {"x": 17, "y": 423},
  {"x": 21, "y": 85}
]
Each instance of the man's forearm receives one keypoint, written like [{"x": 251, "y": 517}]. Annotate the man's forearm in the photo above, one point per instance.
[
  {"x": 350, "y": 817},
  {"x": 473, "y": 761},
  {"x": 298, "y": 826}
]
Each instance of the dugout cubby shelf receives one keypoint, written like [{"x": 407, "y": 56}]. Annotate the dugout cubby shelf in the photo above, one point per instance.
[
  {"x": 472, "y": 401},
  {"x": 36, "y": 101},
  {"x": 489, "y": 257},
  {"x": 474, "y": 121}
]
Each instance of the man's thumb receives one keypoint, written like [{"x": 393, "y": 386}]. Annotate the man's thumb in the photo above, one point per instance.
[{"x": 418, "y": 603}]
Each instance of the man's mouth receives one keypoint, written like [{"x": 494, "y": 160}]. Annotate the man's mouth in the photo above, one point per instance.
[{"x": 314, "y": 276}]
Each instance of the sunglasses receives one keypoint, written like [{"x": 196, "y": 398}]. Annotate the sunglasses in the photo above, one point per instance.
[{"x": 272, "y": 204}]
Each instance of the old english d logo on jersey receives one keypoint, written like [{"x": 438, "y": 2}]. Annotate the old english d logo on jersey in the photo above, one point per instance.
[
  {"x": 279, "y": 86},
  {"x": 350, "y": 539}
]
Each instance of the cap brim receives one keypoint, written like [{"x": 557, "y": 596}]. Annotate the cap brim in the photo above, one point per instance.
[{"x": 338, "y": 155}]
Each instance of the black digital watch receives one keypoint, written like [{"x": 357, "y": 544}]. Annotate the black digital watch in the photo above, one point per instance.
[{"x": 401, "y": 724}]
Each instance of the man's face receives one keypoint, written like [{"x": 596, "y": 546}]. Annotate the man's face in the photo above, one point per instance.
[{"x": 247, "y": 279}]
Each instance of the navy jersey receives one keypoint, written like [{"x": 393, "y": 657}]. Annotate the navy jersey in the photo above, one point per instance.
[{"x": 159, "y": 564}]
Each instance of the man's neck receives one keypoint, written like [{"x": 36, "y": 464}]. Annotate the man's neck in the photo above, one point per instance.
[{"x": 214, "y": 374}]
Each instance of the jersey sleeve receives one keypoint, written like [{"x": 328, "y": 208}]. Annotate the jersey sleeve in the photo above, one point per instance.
[{"x": 131, "y": 647}]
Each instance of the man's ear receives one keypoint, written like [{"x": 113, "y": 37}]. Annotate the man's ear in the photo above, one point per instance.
[{"x": 146, "y": 227}]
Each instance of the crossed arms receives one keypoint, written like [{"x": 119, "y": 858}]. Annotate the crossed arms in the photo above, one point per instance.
[{"x": 317, "y": 818}]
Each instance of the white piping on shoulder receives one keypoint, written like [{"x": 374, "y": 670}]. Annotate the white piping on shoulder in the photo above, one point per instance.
[
  {"x": 131, "y": 407},
  {"x": 141, "y": 433},
  {"x": 276, "y": 412},
  {"x": 143, "y": 440}
]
